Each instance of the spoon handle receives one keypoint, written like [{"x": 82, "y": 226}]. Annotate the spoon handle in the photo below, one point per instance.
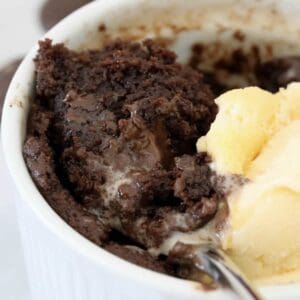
[{"x": 224, "y": 270}]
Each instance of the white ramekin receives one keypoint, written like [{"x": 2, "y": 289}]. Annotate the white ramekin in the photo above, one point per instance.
[{"x": 62, "y": 264}]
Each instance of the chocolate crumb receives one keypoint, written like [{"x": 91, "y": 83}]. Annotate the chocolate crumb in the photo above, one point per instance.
[
  {"x": 102, "y": 27},
  {"x": 279, "y": 72},
  {"x": 239, "y": 36}
]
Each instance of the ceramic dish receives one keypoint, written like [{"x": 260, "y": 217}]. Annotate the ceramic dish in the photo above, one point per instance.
[{"x": 62, "y": 264}]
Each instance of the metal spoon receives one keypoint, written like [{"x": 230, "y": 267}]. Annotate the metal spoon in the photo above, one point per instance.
[{"x": 214, "y": 262}]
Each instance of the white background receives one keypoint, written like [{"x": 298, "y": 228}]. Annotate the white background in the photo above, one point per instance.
[{"x": 19, "y": 29}]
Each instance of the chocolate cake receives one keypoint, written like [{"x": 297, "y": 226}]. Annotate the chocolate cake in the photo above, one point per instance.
[{"x": 111, "y": 146}]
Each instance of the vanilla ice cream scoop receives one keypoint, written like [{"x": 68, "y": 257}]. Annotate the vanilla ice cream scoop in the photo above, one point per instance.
[
  {"x": 257, "y": 134},
  {"x": 264, "y": 236},
  {"x": 244, "y": 123}
]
